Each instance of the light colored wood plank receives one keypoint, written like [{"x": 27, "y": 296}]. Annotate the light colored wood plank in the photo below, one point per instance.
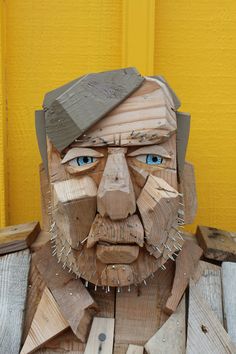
[
  {"x": 116, "y": 186},
  {"x": 119, "y": 254},
  {"x": 229, "y": 298},
  {"x": 45, "y": 198},
  {"x": 171, "y": 335},
  {"x": 205, "y": 332},
  {"x": 207, "y": 279},
  {"x": 14, "y": 270},
  {"x": 134, "y": 349},
  {"x": 101, "y": 336},
  {"x": 18, "y": 237},
  {"x": 217, "y": 244},
  {"x": 139, "y": 313},
  {"x": 80, "y": 308},
  {"x": 47, "y": 323},
  {"x": 36, "y": 286},
  {"x": 186, "y": 264}
]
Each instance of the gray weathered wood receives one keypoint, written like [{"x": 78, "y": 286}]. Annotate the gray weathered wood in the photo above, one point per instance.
[
  {"x": 170, "y": 335},
  {"x": 229, "y": 297},
  {"x": 86, "y": 101},
  {"x": 183, "y": 128},
  {"x": 14, "y": 270},
  {"x": 207, "y": 279},
  {"x": 205, "y": 332}
]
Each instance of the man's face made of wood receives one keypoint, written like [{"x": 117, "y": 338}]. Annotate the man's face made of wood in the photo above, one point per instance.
[{"x": 115, "y": 199}]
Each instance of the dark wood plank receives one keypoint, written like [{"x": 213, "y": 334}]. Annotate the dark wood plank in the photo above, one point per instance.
[
  {"x": 217, "y": 244},
  {"x": 18, "y": 237}
]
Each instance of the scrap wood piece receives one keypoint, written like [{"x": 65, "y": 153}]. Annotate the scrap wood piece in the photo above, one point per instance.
[
  {"x": 207, "y": 279},
  {"x": 45, "y": 197},
  {"x": 205, "y": 332},
  {"x": 47, "y": 323},
  {"x": 14, "y": 270},
  {"x": 134, "y": 349},
  {"x": 36, "y": 286},
  {"x": 229, "y": 298},
  {"x": 101, "y": 336},
  {"x": 75, "y": 302},
  {"x": 18, "y": 237},
  {"x": 140, "y": 311},
  {"x": 186, "y": 264},
  {"x": 171, "y": 335},
  {"x": 217, "y": 244}
]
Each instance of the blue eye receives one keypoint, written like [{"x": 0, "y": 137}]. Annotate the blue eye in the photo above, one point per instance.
[
  {"x": 154, "y": 159},
  {"x": 84, "y": 160}
]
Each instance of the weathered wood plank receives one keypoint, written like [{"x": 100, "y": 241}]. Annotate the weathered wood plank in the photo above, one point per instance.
[
  {"x": 139, "y": 313},
  {"x": 36, "y": 286},
  {"x": 45, "y": 197},
  {"x": 183, "y": 124},
  {"x": 92, "y": 97},
  {"x": 207, "y": 279},
  {"x": 217, "y": 244},
  {"x": 47, "y": 323},
  {"x": 205, "y": 332},
  {"x": 101, "y": 336},
  {"x": 134, "y": 349},
  {"x": 14, "y": 270},
  {"x": 80, "y": 308},
  {"x": 229, "y": 298},
  {"x": 171, "y": 335},
  {"x": 186, "y": 264},
  {"x": 18, "y": 237}
]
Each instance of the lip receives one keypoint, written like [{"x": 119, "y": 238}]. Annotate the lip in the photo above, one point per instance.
[
  {"x": 117, "y": 254},
  {"x": 128, "y": 231}
]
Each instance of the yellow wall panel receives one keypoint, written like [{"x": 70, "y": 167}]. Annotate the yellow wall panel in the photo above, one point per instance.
[
  {"x": 196, "y": 51},
  {"x": 48, "y": 44}
]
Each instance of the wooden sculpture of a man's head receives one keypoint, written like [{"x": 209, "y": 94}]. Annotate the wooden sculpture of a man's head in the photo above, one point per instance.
[{"x": 115, "y": 169}]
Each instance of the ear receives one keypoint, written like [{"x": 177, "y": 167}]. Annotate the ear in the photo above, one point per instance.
[
  {"x": 187, "y": 187},
  {"x": 41, "y": 137},
  {"x": 183, "y": 128}
]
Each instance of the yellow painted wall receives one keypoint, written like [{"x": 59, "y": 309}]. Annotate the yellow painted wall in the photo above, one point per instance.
[{"x": 193, "y": 44}]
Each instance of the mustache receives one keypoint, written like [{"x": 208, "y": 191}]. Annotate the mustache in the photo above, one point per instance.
[{"x": 126, "y": 231}]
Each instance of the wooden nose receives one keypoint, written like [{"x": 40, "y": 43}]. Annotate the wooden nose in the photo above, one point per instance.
[{"x": 116, "y": 197}]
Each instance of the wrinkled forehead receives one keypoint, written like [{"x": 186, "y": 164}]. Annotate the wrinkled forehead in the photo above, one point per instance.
[{"x": 146, "y": 117}]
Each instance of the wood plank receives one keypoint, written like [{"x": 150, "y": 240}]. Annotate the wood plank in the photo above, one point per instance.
[
  {"x": 101, "y": 336},
  {"x": 186, "y": 264},
  {"x": 134, "y": 349},
  {"x": 45, "y": 197},
  {"x": 188, "y": 188},
  {"x": 139, "y": 313},
  {"x": 101, "y": 92},
  {"x": 205, "y": 332},
  {"x": 14, "y": 270},
  {"x": 47, "y": 323},
  {"x": 170, "y": 335},
  {"x": 183, "y": 124},
  {"x": 80, "y": 308},
  {"x": 18, "y": 237},
  {"x": 217, "y": 244},
  {"x": 207, "y": 279},
  {"x": 36, "y": 286},
  {"x": 229, "y": 298}
]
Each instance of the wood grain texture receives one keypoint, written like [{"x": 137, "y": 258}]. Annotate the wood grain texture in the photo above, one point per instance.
[
  {"x": 134, "y": 349},
  {"x": 36, "y": 286},
  {"x": 18, "y": 237},
  {"x": 14, "y": 270},
  {"x": 187, "y": 187},
  {"x": 207, "y": 279},
  {"x": 217, "y": 244},
  {"x": 139, "y": 313},
  {"x": 80, "y": 307},
  {"x": 171, "y": 336},
  {"x": 68, "y": 116},
  {"x": 183, "y": 128},
  {"x": 205, "y": 332},
  {"x": 47, "y": 323},
  {"x": 186, "y": 264},
  {"x": 101, "y": 336},
  {"x": 45, "y": 198},
  {"x": 229, "y": 298}
]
